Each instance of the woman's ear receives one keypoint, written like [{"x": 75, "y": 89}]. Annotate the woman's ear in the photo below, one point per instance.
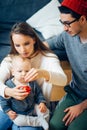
[
  {"x": 12, "y": 71},
  {"x": 34, "y": 39}
]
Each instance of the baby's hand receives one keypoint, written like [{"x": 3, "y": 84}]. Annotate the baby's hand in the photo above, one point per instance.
[
  {"x": 42, "y": 107},
  {"x": 12, "y": 115}
]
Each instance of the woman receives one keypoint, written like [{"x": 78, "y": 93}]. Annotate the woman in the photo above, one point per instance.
[{"x": 46, "y": 67}]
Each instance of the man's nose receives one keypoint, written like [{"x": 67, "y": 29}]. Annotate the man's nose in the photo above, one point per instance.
[{"x": 66, "y": 28}]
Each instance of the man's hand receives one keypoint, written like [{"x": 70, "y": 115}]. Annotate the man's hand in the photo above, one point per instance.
[
  {"x": 46, "y": 44},
  {"x": 71, "y": 113}
]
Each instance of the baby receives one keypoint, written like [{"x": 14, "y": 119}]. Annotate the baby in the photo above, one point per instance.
[{"x": 32, "y": 110}]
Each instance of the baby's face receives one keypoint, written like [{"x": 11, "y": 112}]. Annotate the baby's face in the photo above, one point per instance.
[{"x": 20, "y": 70}]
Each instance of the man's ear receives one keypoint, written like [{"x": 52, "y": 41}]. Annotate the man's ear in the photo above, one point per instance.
[{"x": 83, "y": 19}]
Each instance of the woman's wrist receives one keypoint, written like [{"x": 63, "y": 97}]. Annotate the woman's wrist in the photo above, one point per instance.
[
  {"x": 46, "y": 75},
  {"x": 7, "y": 92}
]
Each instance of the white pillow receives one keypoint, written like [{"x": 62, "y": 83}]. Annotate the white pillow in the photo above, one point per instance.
[{"x": 46, "y": 20}]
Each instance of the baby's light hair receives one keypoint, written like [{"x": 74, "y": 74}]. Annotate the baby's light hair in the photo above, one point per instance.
[{"x": 18, "y": 58}]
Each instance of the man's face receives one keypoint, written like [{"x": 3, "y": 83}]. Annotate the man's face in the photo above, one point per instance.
[{"x": 71, "y": 25}]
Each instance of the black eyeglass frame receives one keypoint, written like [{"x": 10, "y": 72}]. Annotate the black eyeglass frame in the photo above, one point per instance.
[{"x": 67, "y": 24}]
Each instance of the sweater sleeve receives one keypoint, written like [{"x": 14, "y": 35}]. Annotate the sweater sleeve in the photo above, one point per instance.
[
  {"x": 52, "y": 65},
  {"x": 5, "y": 68},
  {"x": 57, "y": 75}
]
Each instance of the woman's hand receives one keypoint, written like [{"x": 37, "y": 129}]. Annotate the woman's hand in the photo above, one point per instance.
[
  {"x": 71, "y": 113},
  {"x": 35, "y": 74},
  {"x": 16, "y": 93}
]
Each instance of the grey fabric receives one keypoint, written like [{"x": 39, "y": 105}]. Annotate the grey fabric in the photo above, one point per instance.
[{"x": 77, "y": 56}]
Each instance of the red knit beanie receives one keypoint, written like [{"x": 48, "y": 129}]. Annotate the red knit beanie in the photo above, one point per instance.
[{"x": 79, "y": 6}]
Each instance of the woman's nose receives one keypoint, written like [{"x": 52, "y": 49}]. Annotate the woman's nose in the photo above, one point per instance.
[{"x": 22, "y": 49}]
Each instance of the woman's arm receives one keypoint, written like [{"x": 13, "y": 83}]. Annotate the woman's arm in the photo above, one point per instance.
[
  {"x": 4, "y": 75},
  {"x": 52, "y": 65},
  {"x": 48, "y": 73},
  {"x": 49, "y": 69}
]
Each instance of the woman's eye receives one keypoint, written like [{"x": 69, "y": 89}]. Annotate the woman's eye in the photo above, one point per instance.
[
  {"x": 27, "y": 71},
  {"x": 17, "y": 45},
  {"x": 27, "y": 43}
]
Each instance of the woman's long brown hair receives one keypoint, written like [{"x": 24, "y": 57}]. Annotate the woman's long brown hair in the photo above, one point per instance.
[{"x": 25, "y": 29}]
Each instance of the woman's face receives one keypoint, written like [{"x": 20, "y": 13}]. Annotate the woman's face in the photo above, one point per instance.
[{"x": 23, "y": 44}]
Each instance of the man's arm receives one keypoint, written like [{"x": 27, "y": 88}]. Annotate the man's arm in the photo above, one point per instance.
[{"x": 56, "y": 45}]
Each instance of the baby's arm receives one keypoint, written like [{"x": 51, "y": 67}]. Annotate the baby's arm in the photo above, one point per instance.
[{"x": 5, "y": 105}]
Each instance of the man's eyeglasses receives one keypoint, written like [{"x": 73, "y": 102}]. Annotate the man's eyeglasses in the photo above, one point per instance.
[{"x": 66, "y": 23}]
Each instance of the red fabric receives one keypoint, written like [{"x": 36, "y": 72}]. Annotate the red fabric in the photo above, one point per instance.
[{"x": 79, "y": 6}]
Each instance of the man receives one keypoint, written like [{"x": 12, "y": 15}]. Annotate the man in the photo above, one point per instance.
[{"x": 71, "y": 113}]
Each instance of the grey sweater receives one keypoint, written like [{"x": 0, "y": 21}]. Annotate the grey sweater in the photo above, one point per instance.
[{"x": 77, "y": 56}]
